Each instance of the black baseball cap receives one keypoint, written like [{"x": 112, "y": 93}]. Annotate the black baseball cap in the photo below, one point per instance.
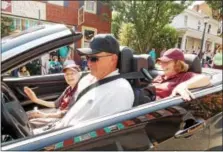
[{"x": 101, "y": 43}]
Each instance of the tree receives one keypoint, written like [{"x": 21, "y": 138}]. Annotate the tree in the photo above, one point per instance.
[
  {"x": 148, "y": 18},
  {"x": 6, "y": 24},
  {"x": 127, "y": 35},
  {"x": 166, "y": 38},
  {"x": 116, "y": 24},
  {"x": 216, "y": 6}
]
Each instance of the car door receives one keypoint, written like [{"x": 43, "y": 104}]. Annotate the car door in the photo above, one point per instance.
[
  {"x": 203, "y": 132},
  {"x": 31, "y": 45},
  {"x": 159, "y": 125},
  {"x": 183, "y": 127},
  {"x": 46, "y": 87}
]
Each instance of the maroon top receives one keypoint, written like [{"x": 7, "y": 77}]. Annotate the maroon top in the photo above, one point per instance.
[
  {"x": 66, "y": 98},
  {"x": 164, "y": 87}
]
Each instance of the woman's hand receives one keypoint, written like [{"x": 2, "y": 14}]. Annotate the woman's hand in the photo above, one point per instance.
[
  {"x": 29, "y": 92},
  {"x": 63, "y": 112},
  {"x": 182, "y": 90},
  {"x": 37, "y": 114}
]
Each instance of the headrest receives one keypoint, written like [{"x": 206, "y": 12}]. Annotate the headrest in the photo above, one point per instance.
[
  {"x": 194, "y": 62},
  {"x": 139, "y": 62},
  {"x": 125, "y": 59},
  {"x": 143, "y": 61}
]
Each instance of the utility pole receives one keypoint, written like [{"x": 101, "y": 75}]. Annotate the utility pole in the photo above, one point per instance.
[{"x": 200, "y": 55}]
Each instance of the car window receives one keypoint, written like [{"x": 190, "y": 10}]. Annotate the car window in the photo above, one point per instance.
[{"x": 49, "y": 63}]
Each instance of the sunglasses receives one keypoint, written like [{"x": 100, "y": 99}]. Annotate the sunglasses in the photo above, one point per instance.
[{"x": 95, "y": 58}]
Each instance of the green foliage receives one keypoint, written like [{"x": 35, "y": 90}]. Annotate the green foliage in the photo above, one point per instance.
[
  {"x": 6, "y": 24},
  {"x": 116, "y": 24},
  {"x": 148, "y": 18},
  {"x": 127, "y": 35},
  {"x": 216, "y": 5},
  {"x": 166, "y": 38}
]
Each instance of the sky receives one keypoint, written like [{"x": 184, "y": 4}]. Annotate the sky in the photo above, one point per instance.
[{"x": 195, "y": 3}]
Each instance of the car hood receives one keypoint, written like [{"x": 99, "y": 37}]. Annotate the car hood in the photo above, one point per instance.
[{"x": 23, "y": 47}]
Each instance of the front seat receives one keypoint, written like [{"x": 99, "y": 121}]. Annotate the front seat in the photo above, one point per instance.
[
  {"x": 125, "y": 60},
  {"x": 144, "y": 92}
]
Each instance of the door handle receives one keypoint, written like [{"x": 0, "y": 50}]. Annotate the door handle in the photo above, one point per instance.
[{"x": 200, "y": 125}]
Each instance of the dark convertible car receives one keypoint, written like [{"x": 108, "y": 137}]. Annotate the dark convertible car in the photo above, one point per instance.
[{"x": 167, "y": 124}]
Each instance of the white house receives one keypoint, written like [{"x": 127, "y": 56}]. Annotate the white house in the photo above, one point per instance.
[{"x": 190, "y": 25}]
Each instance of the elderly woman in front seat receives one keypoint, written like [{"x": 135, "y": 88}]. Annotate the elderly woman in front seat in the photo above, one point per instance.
[
  {"x": 62, "y": 104},
  {"x": 176, "y": 78}
]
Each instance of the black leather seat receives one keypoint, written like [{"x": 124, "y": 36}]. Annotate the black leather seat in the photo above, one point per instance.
[
  {"x": 194, "y": 63},
  {"x": 139, "y": 62},
  {"x": 142, "y": 96},
  {"x": 125, "y": 60}
]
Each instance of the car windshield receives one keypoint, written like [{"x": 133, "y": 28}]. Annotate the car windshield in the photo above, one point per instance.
[{"x": 10, "y": 37}]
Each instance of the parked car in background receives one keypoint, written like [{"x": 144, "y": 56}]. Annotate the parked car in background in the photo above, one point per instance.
[{"x": 166, "y": 124}]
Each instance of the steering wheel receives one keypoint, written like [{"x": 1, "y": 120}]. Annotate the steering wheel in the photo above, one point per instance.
[{"x": 14, "y": 118}]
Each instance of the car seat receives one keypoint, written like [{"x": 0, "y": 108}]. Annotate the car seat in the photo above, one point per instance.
[
  {"x": 125, "y": 60},
  {"x": 194, "y": 63},
  {"x": 144, "y": 92}
]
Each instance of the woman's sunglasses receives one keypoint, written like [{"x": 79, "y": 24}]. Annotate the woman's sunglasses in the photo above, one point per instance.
[{"x": 95, "y": 58}]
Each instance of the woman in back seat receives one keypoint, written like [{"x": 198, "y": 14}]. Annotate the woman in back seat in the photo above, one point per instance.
[{"x": 176, "y": 79}]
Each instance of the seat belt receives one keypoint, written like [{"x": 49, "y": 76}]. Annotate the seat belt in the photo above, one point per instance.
[{"x": 132, "y": 75}]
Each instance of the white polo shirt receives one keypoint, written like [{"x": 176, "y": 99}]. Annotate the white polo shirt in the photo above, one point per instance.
[{"x": 106, "y": 99}]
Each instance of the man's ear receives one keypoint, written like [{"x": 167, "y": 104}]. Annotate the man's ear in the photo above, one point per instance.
[{"x": 115, "y": 58}]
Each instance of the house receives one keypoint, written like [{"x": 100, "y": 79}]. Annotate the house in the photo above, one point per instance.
[
  {"x": 190, "y": 25},
  {"x": 88, "y": 17}
]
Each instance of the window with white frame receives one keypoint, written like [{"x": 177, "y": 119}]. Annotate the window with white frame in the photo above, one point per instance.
[
  {"x": 17, "y": 23},
  {"x": 185, "y": 20},
  {"x": 209, "y": 28},
  {"x": 199, "y": 26},
  {"x": 90, "y": 6},
  {"x": 88, "y": 33},
  {"x": 80, "y": 15},
  {"x": 33, "y": 23}
]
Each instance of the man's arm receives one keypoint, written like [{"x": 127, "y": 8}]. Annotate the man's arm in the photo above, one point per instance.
[{"x": 195, "y": 82}]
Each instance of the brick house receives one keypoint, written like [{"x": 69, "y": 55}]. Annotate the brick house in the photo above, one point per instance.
[
  {"x": 88, "y": 17},
  {"x": 85, "y": 16}
]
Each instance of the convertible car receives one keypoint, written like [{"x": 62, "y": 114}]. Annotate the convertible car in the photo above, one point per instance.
[{"x": 167, "y": 124}]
